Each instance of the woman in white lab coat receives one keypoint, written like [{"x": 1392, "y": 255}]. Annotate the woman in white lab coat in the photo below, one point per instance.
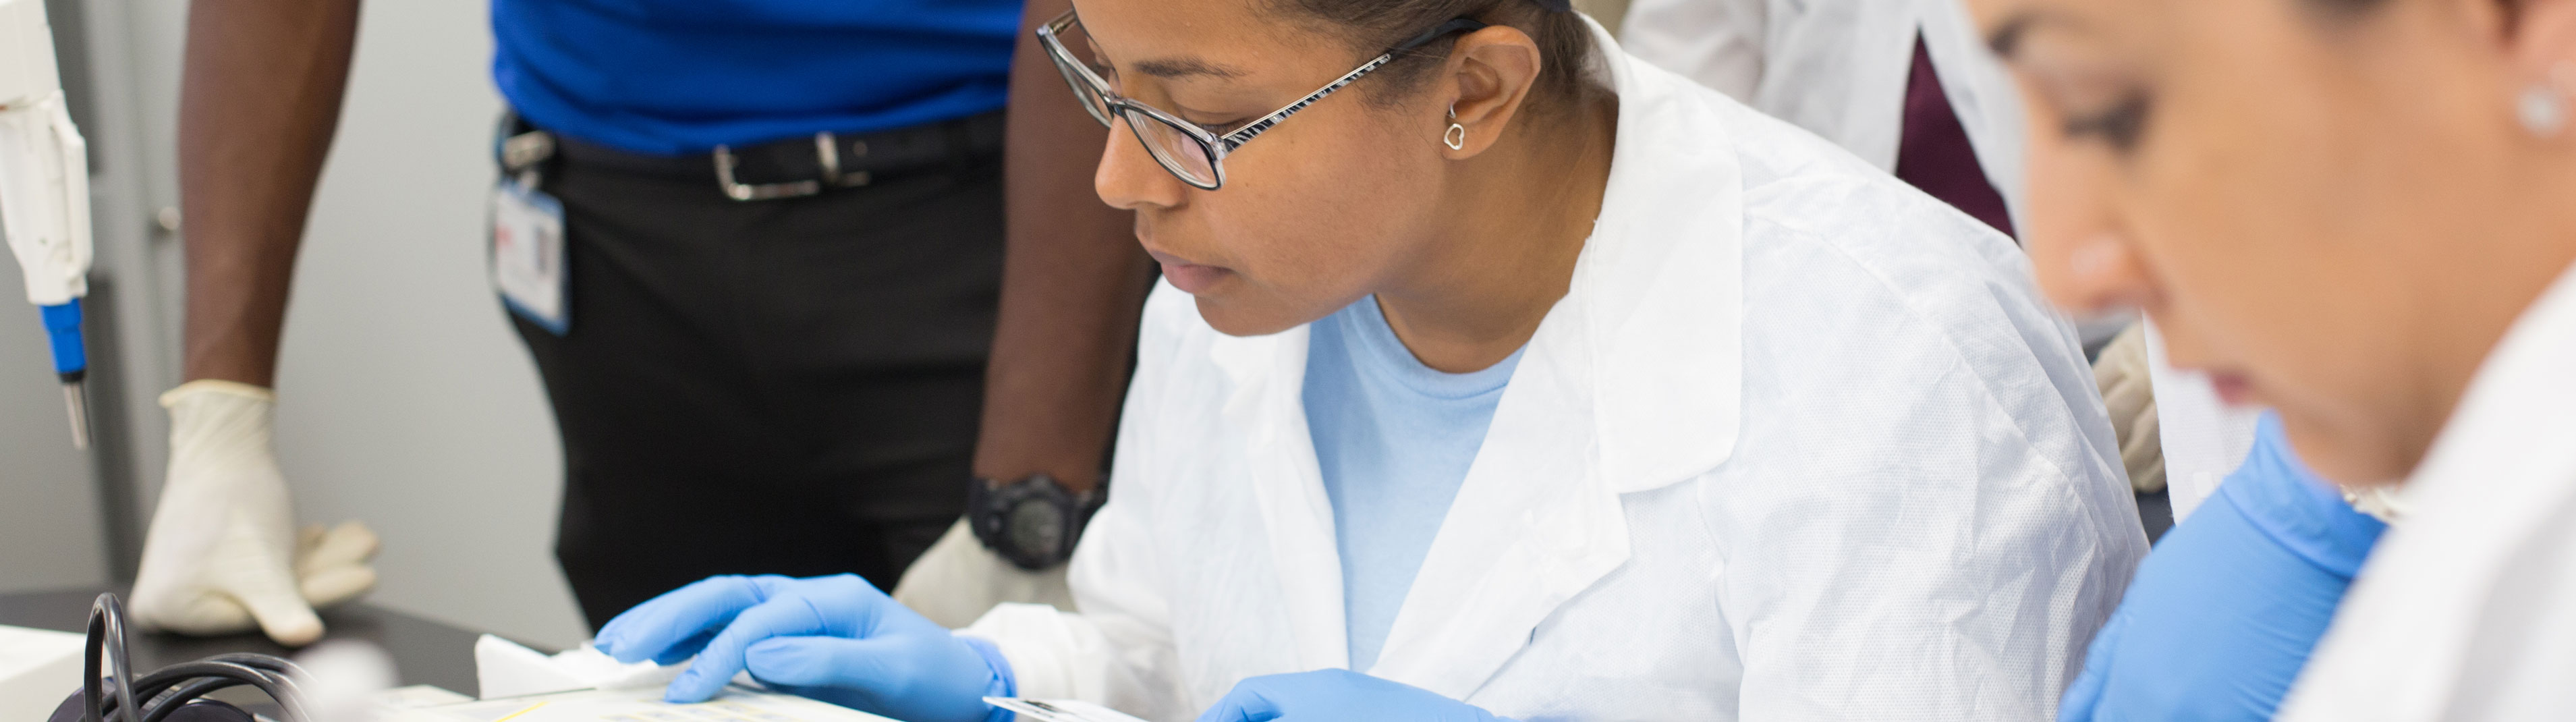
[
  {"x": 1775, "y": 436},
  {"x": 2363, "y": 214},
  {"x": 1789, "y": 428}
]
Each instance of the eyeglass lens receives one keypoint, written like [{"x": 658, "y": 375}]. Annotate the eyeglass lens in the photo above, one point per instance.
[
  {"x": 1078, "y": 51},
  {"x": 1175, "y": 149}
]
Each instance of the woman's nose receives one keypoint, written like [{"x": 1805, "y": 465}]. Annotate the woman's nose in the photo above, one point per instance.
[
  {"x": 2093, "y": 274},
  {"x": 1128, "y": 178},
  {"x": 2087, "y": 260}
]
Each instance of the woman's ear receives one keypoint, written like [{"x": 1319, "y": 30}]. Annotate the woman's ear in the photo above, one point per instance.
[
  {"x": 2543, "y": 38},
  {"x": 2539, "y": 39},
  {"x": 1492, "y": 71}
]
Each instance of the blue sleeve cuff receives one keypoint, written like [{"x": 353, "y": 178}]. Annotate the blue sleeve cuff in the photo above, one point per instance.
[
  {"x": 2295, "y": 508},
  {"x": 1005, "y": 683}
]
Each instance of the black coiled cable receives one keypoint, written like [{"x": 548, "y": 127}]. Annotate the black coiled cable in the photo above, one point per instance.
[{"x": 153, "y": 697}]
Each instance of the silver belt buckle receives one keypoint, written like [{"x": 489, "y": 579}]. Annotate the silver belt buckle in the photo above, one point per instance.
[
  {"x": 827, "y": 153},
  {"x": 525, "y": 150}
]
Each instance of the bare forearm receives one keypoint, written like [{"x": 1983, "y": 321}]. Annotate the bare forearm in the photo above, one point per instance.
[
  {"x": 257, "y": 104},
  {"x": 1073, "y": 281}
]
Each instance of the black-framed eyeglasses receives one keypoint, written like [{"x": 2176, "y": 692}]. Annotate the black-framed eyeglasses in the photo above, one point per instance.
[{"x": 1189, "y": 151}]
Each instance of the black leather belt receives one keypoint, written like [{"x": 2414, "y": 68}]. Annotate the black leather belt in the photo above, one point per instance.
[{"x": 777, "y": 169}]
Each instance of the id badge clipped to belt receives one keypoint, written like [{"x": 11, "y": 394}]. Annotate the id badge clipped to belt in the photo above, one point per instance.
[{"x": 528, "y": 251}]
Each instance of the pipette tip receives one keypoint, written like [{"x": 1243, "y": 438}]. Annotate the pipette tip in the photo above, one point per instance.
[{"x": 75, "y": 398}]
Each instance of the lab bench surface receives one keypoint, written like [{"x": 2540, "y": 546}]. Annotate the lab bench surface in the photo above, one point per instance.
[{"x": 424, "y": 652}]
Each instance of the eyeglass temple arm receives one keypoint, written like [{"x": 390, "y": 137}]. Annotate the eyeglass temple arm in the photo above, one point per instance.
[{"x": 1246, "y": 133}]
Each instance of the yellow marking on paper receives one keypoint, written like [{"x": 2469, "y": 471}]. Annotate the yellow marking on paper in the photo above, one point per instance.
[{"x": 530, "y": 708}]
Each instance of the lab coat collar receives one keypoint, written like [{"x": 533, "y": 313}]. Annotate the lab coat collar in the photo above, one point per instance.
[{"x": 1631, "y": 383}]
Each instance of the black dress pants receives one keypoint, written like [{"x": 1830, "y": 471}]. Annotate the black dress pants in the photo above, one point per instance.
[{"x": 784, "y": 386}]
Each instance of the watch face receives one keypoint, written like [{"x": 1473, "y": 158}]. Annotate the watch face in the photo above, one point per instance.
[{"x": 1036, "y": 527}]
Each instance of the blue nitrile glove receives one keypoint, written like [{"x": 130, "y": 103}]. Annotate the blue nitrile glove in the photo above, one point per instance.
[
  {"x": 2223, "y": 614},
  {"x": 1337, "y": 695},
  {"x": 835, "y": 639}
]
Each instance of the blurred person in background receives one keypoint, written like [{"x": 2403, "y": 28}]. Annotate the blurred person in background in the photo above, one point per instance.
[{"x": 777, "y": 262}]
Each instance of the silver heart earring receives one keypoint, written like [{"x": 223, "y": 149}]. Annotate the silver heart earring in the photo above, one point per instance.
[
  {"x": 1456, "y": 136},
  {"x": 2543, "y": 106}
]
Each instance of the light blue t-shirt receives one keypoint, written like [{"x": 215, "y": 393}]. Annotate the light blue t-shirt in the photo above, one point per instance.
[{"x": 1394, "y": 438}]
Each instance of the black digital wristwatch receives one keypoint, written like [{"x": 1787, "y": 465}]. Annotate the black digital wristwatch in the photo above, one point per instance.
[{"x": 1033, "y": 522}]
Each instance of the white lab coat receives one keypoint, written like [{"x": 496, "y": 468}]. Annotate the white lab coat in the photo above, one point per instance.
[
  {"x": 1799, "y": 443},
  {"x": 2467, "y": 608},
  {"x": 2203, "y": 438},
  {"x": 1839, "y": 68}
]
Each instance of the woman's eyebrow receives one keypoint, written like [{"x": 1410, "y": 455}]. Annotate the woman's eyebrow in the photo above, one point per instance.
[
  {"x": 1184, "y": 67},
  {"x": 2006, "y": 38}
]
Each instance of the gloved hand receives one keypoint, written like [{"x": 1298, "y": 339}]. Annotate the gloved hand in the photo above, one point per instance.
[
  {"x": 2223, "y": 614},
  {"x": 835, "y": 639},
  {"x": 222, "y": 554},
  {"x": 1337, "y": 695},
  {"x": 958, "y": 580},
  {"x": 2120, "y": 373}
]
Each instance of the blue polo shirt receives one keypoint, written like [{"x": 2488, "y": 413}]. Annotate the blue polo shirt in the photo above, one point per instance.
[{"x": 682, "y": 76}]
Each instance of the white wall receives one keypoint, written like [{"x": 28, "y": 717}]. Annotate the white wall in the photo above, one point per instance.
[
  {"x": 404, "y": 399},
  {"x": 49, "y": 519}
]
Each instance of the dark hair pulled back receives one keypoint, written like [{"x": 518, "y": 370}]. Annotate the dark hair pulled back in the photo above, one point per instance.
[{"x": 1371, "y": 26}]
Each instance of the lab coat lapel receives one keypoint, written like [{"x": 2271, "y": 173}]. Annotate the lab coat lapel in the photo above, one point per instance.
[
  {"x": 1533, "y": 525},
  {"x": 1631, "y": 383},
  {"x": 1266, "y": 402}
]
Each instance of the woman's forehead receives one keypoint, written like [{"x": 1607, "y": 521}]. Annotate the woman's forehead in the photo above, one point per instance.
[
  {"x": 2007, "y": 24},
  {"x": 2138, "y": 36},
  {"x": 1198, "y": 39}
]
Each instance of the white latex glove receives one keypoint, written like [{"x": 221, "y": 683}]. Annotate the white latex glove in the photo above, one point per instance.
[
  {"x": 2120, "y": 373},
  {"x": 223, "y": 555},
  {"x": 958, "y": 580}
]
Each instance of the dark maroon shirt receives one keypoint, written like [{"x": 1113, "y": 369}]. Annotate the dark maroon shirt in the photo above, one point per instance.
[{"x": 1934, "y": 154}]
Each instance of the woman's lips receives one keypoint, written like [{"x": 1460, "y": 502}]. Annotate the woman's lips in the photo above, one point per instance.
[
  {"x": 2233, "y": 388},
  {"x": 1191, "y": 278}
]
